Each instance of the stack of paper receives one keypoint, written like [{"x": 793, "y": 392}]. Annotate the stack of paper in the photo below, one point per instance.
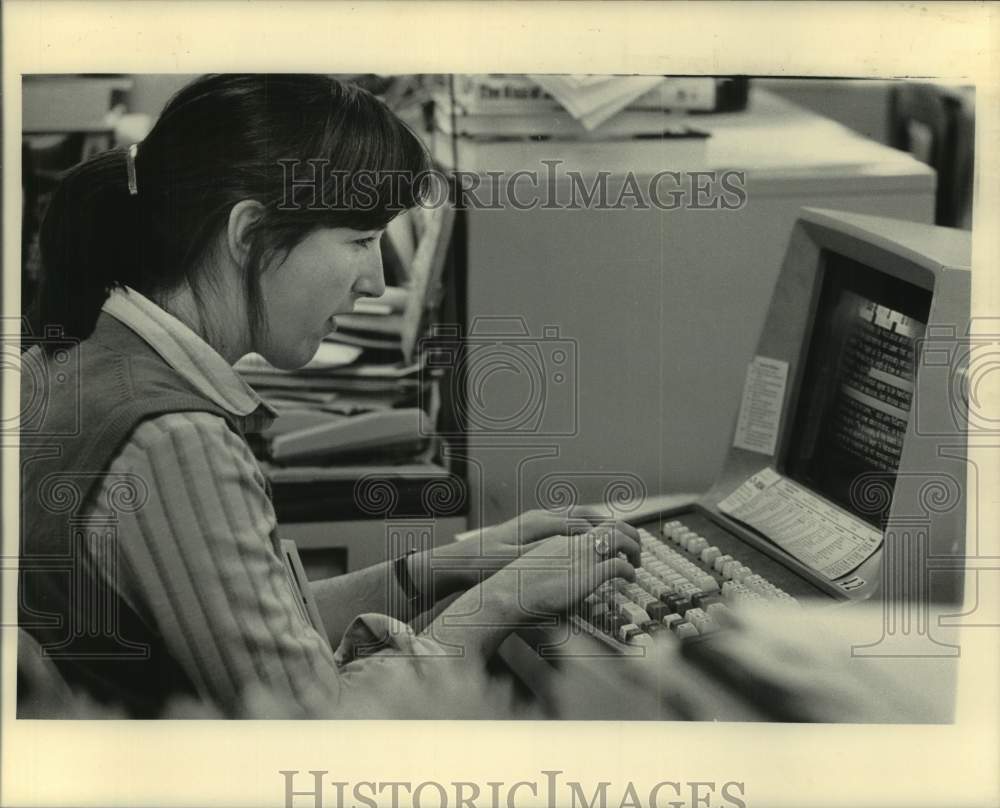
[
  {"x": 314, "y": 403},
  {"x": 594, "y": 99},
  {"x": 567, "y": 107},
  {"x": 344, "y": 385},
  {"x": 306, "y": 438},
  {"x": 497, "y": 121}
]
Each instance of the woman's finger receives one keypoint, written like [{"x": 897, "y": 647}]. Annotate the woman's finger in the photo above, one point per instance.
[
  {"x": 575, "y": 525},
  {"x": 588, "y": 516},
  {"x": 609, "y": 540},
  {"x": 626, "y": 528},
  {"x": 535, "y": 526},
  {"x": 614, "y": 568}
]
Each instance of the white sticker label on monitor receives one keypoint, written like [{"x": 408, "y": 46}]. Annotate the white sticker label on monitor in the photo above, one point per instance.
[
  {"x": 760, "y": 412},
  {"x": 828, "y": 540}
]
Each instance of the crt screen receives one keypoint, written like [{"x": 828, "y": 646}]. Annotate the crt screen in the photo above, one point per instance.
[{"x": 857, "y": 386}]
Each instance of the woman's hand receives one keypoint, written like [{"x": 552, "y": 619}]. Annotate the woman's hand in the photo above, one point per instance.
[
  {"x": 465, "y": 563},
  {"x": 545, "y": 581},
  {"x": 556, "y": 574}
]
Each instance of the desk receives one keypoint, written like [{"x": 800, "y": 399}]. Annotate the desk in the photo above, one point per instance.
[{"x": 662, "y": 307}]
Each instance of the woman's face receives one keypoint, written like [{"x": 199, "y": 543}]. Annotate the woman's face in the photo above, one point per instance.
[{"x": 321, "y": 277}]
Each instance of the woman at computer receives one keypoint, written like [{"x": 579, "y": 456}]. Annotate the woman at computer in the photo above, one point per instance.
[{"x": 225, "y": 232}]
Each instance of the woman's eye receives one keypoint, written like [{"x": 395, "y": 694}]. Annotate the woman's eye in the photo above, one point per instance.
[{"x": 365, "y": 243}]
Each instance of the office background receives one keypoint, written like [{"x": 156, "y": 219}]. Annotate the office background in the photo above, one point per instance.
[{"x": 660, "y": 308}]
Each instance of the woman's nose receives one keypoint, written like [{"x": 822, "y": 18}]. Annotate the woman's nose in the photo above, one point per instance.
[{"x": 371, "y": 281}]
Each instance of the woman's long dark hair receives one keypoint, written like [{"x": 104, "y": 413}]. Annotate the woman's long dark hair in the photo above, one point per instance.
[{"x": 313, "y": 151}]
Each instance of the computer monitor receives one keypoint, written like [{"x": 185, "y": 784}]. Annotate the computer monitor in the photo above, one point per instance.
[
  {"x": 848, "y": 460},
  {"x": 857, "y": 382},
  {"x": 846, "y": 475}
]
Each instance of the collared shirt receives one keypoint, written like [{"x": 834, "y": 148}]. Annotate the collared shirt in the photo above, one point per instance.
[{"x": 197, "y": 558}]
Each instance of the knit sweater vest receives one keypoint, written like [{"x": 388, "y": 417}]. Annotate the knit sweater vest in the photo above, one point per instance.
[{"x": 80, "y": 403}]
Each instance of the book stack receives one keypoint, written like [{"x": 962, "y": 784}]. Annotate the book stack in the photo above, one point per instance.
[
  {"x": 375, "y": 325},
  {"x": 341, "y": 379}
]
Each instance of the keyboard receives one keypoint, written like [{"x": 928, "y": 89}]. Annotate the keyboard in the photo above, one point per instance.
[{"x": 683, "y": 584}]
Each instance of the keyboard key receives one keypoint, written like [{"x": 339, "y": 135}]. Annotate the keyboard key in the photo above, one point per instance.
[
  {"x": 697, "y": 545},
  {"x": 648, "y": 584},
  {"x": 638, "y": 597},
  {"x": 668, "y": 528},
  {"x": 634, "y": 614},
  {"x": 679, "y": 603},
  {"x": 709, "y": 554},
  {"x": 720, "y": 561},
  {"x": 659, "y": 589},
  {"x": 704, "y": 601},
  {"x": 729, "y": 568},
  {"x": 669, "y": 620},
  {"x": 684, "y": 631},
  {"x": 627, "y": 631}
]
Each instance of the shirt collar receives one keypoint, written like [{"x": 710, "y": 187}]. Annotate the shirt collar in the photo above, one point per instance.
[{"x": 187, "y": 353}]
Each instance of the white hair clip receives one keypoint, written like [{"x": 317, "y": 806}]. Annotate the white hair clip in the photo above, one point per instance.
[{"x": 133, "y": 187}]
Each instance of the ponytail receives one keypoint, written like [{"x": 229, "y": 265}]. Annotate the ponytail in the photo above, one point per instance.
[{"x": 90, "y": 242}]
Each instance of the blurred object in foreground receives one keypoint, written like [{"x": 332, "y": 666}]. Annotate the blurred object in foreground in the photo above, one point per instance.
[{"x": 766, "y": 664}]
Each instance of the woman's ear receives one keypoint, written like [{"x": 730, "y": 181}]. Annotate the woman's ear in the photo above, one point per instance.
[{"x": 242, "y": 217}]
